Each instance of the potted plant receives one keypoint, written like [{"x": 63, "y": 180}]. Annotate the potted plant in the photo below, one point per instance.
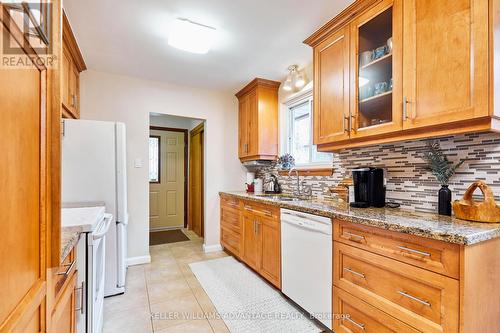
[
  {"x": 439, "y": 165},
  {"x": 286, "y": 162}
]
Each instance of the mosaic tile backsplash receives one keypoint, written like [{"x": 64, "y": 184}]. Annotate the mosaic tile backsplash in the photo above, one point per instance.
[{"x": 408, "y": 182}]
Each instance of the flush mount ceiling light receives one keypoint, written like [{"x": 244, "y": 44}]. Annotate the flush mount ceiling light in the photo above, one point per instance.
[
  {"x": 191, "y": 36},
  {"x": 294, "y": 79}
]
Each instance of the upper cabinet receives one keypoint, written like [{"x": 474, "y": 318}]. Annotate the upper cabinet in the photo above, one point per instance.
[
  {"x": 258, "y": 121},
  {"x": 445, "y": 61},
  {"x": 331, "y": 97},
  {"x": 393, "y": 70},
  {"x": 72, "y": 65}
]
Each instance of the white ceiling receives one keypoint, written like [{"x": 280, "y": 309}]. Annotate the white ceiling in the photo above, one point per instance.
[{"x": 256, "y": 38}]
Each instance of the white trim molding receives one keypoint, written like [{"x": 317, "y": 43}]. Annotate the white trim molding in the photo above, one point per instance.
[
  {"x": 132, "y": 261},
  {"x": 212, "y": 248}
]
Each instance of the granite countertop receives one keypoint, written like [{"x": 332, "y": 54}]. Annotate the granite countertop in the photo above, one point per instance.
[
  {"x": 69, "y": 238},
  {"x": 443, "y": 228}
]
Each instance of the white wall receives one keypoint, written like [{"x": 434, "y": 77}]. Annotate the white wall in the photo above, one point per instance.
[
  {"x": 173, "y": 121},
  {"x": 130, "y": 100}
]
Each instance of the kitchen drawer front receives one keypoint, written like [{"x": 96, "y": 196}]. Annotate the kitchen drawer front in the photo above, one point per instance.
[
  {"x": 230, "y": 219},
  {"x": 362, "y": 317},
  {"x": 229, "y": 202},
  {"x": 436, "y": 256},
  {"x": 63, "y": 272},
  {"x": 231, "y": 241},
  {"x": 261, "y": 210},
  {"x": 422, "y": 299}
]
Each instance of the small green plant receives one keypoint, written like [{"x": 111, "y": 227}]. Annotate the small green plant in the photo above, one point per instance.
[{"x": 438, "y": 163}]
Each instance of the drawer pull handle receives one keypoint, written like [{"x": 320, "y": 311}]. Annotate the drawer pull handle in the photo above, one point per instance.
[
  {"x": 407, "y": 249},
  {"x": 413, "y": 298},
  {"x": 248, "y": 208},
  {"x": 267, "y": 212},
  {"x": 70, "y": 267},
  {"x": 361, "y": 326},
  {"x": 351, "y": 235},
  {"x": 361, "y": 275},
  {"x": 81, "y": 308}
]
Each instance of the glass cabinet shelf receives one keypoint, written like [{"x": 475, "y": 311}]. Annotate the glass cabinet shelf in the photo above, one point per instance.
[{"x": 375, "y": 70}]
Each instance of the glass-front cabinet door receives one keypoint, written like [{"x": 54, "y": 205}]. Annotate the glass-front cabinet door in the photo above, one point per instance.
[{"x": 376, "y": 67}]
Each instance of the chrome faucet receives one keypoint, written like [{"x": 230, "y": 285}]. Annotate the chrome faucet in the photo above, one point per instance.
[{"x": 298, "y": 179}]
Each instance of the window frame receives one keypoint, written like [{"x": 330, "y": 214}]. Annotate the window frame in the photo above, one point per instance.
[
  {"x": 306, "y": 97},
  {"x": 159, "y": 159}
]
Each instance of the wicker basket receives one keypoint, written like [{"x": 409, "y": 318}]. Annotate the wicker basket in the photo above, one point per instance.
[{"x": 484, "y": 211}]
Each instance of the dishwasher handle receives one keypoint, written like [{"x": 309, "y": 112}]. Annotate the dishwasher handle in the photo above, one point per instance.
[{"x": 308, "y": 225}]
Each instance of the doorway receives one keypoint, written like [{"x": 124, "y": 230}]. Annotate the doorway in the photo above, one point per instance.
[
  {"x": 196, "y": 180},
  {"x": 168, "y": 148}
]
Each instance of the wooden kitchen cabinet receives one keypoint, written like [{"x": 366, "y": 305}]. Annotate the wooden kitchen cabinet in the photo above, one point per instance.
[
  {"x": 258, "y": 120},
  {"x": 63, "y": 316},
  {"x": 29, "y": 196},
  {"x": 446, "y": 58},
  {"x": 252, "y": 241},
  {"x": 62, "y": 296},
  {"x": 271, "y": 251},
  {"x": 394, "y": 282},
  {"x": 375, "y": 112},
  {"x": 251, "y": 232},
  {"x": 331, "y": 98},
  {"x": 440, "y": 65},
  {"x": 72, "y": 65}
]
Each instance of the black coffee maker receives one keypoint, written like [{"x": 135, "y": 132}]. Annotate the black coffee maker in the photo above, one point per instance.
[{"x": 369, "y": 187}]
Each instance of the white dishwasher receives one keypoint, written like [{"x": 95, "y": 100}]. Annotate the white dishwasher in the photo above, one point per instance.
[{"x": 306, "y": 262}]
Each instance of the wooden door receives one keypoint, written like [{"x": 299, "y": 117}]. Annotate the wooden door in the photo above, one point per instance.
[
  {"x": 196, "y": 189},
  {"x": 243, "y": 127},
  {"x": 271, "y": 251},
  {"x": 445, "y": 61},
  {"x": 25, "y": 143},
  {"x": 375, "y": 101},
  {"x": 252, "y": 241},
  {"x": 331, "y": 91},
  {"x": 166, "y": 195}
]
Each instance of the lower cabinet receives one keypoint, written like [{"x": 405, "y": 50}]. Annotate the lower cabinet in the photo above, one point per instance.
[
  {"x": 61, "y": 296},
  {"x": 271, "y": 251},
  {"x": 358, "y": 316},
  {"x": 63, "y": 316},
  {"x": 254, "y": 237},
  {"x": 252, "y": 241}
]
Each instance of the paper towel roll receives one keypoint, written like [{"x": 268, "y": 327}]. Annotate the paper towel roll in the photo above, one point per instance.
[
  {"x": 259, "y": 185},
  {"x": 250, "y": 177}
]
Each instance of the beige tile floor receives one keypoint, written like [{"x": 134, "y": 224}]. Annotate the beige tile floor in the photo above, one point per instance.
[{"x": 158, "y": 293}]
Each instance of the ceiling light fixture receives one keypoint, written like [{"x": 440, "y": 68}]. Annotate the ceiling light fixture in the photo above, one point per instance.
[
  {"x": 294, "y": 79},
  {"x": 191, "y": 36}
]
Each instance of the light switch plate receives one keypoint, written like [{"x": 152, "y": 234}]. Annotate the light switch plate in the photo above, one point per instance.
[{"x": 138, "y": 163}]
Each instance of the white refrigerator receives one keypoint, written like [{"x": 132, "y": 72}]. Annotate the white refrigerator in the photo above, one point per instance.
[{"x": 94, "y": 170}]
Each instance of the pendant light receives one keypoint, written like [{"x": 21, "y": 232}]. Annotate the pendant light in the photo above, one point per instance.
[{"x": 294, "y": 79}]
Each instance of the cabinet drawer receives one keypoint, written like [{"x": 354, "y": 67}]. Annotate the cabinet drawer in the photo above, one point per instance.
[
  {"x": 436, "y": 256},
  {"x": 62, "y": 273},
  {"x": 230, "y": 219},
  {"x": 422, "y": 299},
  {"x": 231, "y": 241},
  {"x": 229, "y": 202},
  {"x": 267, "y": 211},
  {"x": 360, "y": 317}
]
